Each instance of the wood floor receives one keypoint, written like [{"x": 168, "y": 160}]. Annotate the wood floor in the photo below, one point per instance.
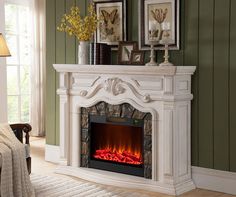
[{"x": 43, "y": 167}]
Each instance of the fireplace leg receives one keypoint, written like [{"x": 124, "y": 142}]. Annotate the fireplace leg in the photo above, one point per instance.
[{"x": 75, "y": 139}]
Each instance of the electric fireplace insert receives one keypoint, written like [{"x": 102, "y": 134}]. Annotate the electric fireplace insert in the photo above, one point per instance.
[
  {"x": 116, "y": 144},
  {"x": 116, "y": 138}
]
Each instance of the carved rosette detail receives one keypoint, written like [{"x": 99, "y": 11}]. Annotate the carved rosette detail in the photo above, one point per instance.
[
  {"x": 114, "y": 86},
  {"x": 83, "y": 93},
  {"x": 146, "y": 98}
]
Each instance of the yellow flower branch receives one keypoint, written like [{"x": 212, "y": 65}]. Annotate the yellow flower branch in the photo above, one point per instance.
[{"x": 82, "y": 28}]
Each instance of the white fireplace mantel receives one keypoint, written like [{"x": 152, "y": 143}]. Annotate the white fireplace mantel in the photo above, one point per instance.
[{"x": 165, "y": 92}]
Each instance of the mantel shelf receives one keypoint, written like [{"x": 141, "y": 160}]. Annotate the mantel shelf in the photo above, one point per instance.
[{"x": 125, "y": 69}]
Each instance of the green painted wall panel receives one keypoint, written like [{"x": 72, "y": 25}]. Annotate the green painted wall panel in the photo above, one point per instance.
[
  {"x": 70, "y": 40},
  {"x": 50, "y": 73},
  {"x": 130, "y": 20},
  {"x": 177, "y": 56},
  {"x": 208, "y": 41},
  {"x": 221, "y": 92},
  {"x": 60, "y": 36},
  {"x": 135, "y": 20},
  {"x": 160, "y": 56},
  {"x": 191, "y": 58},
  {"x": 232, "y": 89},
  {"x": 83, "y": 9},
  {"x": 82, "y": 4},
  {"x": 60, "y": 57},
  {"x": 205, "y": 96}
]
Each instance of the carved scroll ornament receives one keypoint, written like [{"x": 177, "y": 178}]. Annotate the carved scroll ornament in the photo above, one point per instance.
[{"x": 115, "y": 86}]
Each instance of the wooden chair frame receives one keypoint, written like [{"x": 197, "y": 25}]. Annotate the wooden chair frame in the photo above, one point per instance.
[{"x": 19, "y": 130}]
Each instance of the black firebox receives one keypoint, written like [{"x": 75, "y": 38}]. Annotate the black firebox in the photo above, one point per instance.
[{"x": 116, "y": 144}]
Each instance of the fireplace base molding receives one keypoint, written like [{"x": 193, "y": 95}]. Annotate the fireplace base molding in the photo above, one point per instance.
[
  {"x": 165, "y": 92},
  {"x": 125, "y": 181}
]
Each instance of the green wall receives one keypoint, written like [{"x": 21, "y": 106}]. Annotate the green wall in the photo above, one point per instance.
[{"x": 208, "y": 40}]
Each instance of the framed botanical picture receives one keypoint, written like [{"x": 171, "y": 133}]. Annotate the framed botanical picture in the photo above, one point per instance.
[
  {"x": 112, "y": 26},
  {"x": 137, "y": 57},
  {"x": 124, "y": 51},
  {"x": 153, "y": 15}
]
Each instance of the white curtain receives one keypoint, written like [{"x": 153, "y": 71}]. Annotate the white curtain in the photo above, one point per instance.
[
  {"x": 3, "y": 72},
  {"x": 38, "y": 86}
]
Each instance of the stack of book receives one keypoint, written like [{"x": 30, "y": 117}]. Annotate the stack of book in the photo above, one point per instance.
[{"x": 100, "y": 53}]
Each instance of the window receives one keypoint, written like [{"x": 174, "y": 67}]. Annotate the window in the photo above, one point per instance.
[{"x": 19, "y": 37}]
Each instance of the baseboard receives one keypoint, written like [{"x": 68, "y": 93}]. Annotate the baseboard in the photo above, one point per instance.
[
  {"x": 214, "y": 180},
  {"x": 52, "y": 153}
]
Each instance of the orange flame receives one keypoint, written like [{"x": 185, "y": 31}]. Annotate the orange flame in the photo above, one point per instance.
[
  {"x": 118, "y": 143},
  {"x": 120, "y": 155}
]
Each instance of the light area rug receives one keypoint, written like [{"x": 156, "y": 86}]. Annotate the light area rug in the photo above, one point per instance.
[{"x": 54, "y": 186}]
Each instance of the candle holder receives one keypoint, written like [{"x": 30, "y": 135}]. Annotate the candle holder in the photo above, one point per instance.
[
  {"x": 166, "y": 55},
  {"x": 153, "y": 40},
  {"x": 166, "y": 41},
  {"x": 152, "y": 61}
]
